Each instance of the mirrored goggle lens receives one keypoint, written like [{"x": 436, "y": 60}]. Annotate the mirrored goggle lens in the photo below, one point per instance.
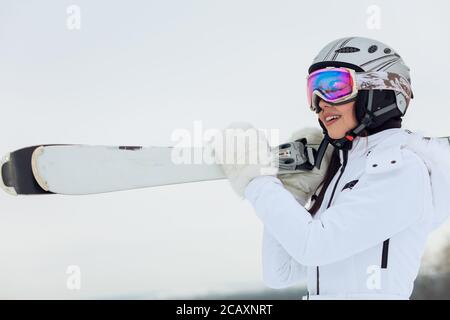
[{"x": 333, "y": 84}]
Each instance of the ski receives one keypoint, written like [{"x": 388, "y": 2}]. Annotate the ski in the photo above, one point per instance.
[{"x": 85, "y": 169}]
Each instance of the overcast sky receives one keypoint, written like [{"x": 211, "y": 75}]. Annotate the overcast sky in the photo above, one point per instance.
[{"x": 138, "y": 70}]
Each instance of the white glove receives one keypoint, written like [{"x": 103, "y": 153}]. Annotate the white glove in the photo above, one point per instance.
[
  {"x": 244, "y": 154},
  {"x": 303, "y": 184}
]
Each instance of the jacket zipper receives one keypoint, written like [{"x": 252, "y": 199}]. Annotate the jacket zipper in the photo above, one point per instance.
[{"x": 344, "y": 164}]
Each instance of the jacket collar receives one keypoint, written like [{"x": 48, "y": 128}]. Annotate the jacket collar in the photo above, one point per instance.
[{"x": 361, "y": 145}]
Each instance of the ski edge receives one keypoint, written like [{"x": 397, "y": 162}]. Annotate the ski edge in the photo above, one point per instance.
[{"x": 8, "y": 190}]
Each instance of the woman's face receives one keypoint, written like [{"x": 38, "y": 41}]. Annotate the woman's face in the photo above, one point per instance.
[{"x": 346, "y": 118}]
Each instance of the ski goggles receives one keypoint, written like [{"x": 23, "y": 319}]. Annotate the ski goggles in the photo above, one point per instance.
[{"x": 340, "y": 85}]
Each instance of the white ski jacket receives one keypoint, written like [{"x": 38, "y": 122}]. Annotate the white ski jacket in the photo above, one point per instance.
[{"x": 367, "y": 239}]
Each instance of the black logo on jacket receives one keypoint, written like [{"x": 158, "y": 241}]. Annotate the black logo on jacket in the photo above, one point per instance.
[{"x": 350, "y": 185}]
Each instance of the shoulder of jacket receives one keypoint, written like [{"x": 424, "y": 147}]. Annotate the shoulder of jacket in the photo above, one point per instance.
[
  {"x": 382, "y": 160},
  {"x": 391, "y": 155}
]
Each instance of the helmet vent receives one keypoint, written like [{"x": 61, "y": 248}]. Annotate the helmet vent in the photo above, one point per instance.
[
  {"x": 372, "y": 49},
  {"x": 387, "y": 50},
  {"x": 347, "y": 50}
]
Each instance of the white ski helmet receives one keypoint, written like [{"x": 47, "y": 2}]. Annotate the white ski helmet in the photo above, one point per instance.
[
  {"x": 363, "y": 53},
  {"x": 373, "y": 107}
]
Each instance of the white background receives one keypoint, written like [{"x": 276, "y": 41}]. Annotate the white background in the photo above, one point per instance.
[{"x": 135, "y": 72}]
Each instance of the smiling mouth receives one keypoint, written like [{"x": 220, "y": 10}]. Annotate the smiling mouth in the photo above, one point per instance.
[{"x": 331, "y": 119}]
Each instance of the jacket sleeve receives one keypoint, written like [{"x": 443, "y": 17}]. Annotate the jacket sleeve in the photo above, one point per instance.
[
  {"x": 279, "y": 269},
  {"x": 383, "y": 203}
]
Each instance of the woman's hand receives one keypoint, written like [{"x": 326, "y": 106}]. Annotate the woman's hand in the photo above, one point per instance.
[{"x": 244, "y": 154}]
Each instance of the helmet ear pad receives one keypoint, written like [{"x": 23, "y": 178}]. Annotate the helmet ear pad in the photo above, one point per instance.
[
  {"x": 381, "y": 99},
  {"x": 361, "y": 104}
]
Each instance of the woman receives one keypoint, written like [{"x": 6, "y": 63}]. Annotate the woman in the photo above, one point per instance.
[{"x": 372, "y": 201}]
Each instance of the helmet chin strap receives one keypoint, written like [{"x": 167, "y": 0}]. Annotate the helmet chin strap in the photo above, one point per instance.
[{"x": 346, "y": 142}]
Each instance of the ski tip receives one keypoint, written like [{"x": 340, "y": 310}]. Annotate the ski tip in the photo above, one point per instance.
[{"x": 4, "y": 164}]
